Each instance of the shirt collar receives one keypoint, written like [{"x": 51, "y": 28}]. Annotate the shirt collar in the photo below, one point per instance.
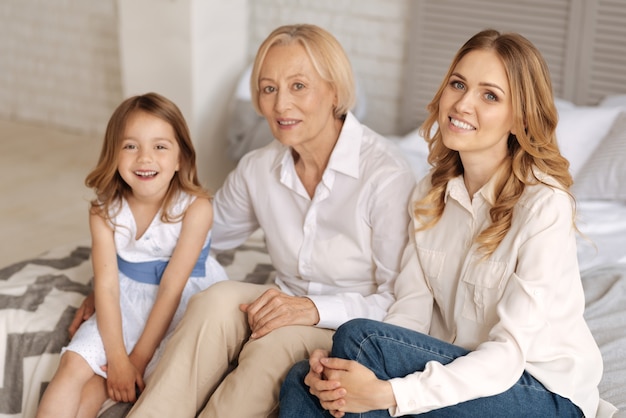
[
  {"x": 345, "y": 155},
  {"x": 347, "y": 152},
  {"x": 456, "y": 188}
]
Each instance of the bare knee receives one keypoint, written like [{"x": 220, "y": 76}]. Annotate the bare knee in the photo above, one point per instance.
[
  {"x": 68, "y": 382},
  {"x": 75, "y": 364},
  {"x": 92, "y": 397}
]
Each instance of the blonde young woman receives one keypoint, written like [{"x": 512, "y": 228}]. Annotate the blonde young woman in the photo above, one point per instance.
[
  {"x": 489, "y": 313},
  {"x": 150, "y": 231}
]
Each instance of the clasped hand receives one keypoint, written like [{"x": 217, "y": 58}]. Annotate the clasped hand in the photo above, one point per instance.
[
  {"x": 346, "y": 386},
  {"x": 124, "y": 377},
  {"x": 275, "y": 309}
]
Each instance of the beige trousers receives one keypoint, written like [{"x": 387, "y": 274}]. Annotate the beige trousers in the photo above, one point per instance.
[{"x": 195, "y": 375}]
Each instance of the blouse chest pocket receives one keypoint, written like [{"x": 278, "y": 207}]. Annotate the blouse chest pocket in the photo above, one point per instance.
[{"x": 484, "y": 284}]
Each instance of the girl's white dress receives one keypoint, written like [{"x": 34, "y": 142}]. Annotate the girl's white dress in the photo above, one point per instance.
[{"x": 153, "y": 249}]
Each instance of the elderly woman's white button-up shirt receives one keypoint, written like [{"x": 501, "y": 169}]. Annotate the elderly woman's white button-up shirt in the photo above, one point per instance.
[{"x": 341, "y": 248}]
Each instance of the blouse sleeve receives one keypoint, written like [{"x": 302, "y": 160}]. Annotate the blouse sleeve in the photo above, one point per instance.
[{"x": 413, "y": 305}]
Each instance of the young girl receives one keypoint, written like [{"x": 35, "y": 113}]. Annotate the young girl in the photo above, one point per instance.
[
  {"x": 150, "y": 228},
  {"x": 489, "y": 301}
]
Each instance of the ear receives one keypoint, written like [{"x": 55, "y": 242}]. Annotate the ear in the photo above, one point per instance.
[{"x": 334, "y": 107}]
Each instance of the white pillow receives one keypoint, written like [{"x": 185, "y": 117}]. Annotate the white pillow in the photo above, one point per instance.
[
  {"x": 603, "y": 177},
  {"x": 563, "y": 104},
  {"x": 616, "y": 100},
  {"x": 580, "y": 130},
  {"x": 415, "y": 142},
  {"x": 415, "y": 150}
]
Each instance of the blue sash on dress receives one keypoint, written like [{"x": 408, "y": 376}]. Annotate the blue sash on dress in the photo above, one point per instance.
[{"x": 150, "y": 272}]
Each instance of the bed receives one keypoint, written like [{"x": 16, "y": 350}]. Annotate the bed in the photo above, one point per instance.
[{"x": 38, "y": 297}]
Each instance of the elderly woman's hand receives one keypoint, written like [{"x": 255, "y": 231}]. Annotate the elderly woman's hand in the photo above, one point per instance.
[
  {"x": 275, "y": 309},
  {"x": 86, "y": 309}
]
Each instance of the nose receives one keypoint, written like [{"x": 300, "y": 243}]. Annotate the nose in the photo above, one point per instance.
[
  {"x": 282, "y": 100},
  {"x": 465, "y": 103},
  {"x": 144, "y": 155}
]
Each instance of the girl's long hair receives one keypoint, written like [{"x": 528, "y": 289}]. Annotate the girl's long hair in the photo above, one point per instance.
[
  {"x": 108, "y": 184},
  {"x": 534, "y": 147}
]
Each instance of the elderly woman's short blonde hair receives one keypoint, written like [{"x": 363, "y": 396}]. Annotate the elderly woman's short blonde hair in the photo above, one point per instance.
[{"x": 326, "y": 54}]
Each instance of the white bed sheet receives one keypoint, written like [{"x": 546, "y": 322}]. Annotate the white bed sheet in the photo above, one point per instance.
[
  {"x": 602, "y": 260},
  {"x": 603, "y": 228}
]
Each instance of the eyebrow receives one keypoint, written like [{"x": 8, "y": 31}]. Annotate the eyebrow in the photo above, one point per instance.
[
  {"x": 290, "y": 77},
  {"x": 153, "y": 139},
  {"x": 495, "y": 86}
]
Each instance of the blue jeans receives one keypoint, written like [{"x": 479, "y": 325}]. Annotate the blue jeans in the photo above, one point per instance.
[{"x": 391, "y": 351}]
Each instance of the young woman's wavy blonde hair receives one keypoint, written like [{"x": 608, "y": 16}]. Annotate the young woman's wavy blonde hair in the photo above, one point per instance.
[
  {"x": 326, "y": 54},
  {"x": 105, "y": 179},
  {"x": 535, "y": 145}
]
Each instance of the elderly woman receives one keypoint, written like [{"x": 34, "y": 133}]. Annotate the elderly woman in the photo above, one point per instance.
[
  {"x": 331, "y": 197},
  {"x": 489, "y": 317}
]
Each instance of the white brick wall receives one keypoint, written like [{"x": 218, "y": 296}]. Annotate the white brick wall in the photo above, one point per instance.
[
  {"x": 59, "y": 59},
  {"x": 59, "y": 62},
  {"x": 373, "y": 33}
]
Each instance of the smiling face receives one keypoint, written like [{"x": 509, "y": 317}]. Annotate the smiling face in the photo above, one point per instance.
[
  {"x": 475, "y": 110},
  {"x": 149, "y": 155},
  {"x": 297, "y": 103}
]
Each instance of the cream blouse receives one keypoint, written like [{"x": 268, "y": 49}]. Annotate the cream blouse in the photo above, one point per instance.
[{"x": 521, "y": 309}]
